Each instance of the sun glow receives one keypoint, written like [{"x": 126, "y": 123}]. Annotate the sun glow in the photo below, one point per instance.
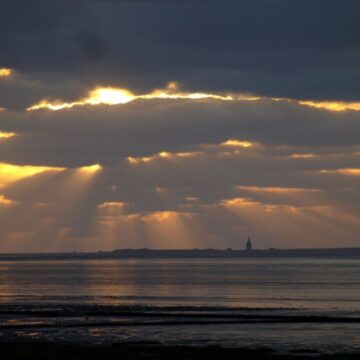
[
  {"x": 6, "y": 135},
  {"x": 110, "y": 96},
  {"x": 5, "y": 72}
]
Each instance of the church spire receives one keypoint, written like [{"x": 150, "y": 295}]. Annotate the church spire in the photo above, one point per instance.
[{"x": 248, "y": 244}]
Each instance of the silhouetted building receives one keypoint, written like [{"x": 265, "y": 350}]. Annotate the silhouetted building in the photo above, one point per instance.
[{"x": 248, "y": 244}]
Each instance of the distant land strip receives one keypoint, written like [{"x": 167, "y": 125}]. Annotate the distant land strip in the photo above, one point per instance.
[{"x": 188, "y": 254}]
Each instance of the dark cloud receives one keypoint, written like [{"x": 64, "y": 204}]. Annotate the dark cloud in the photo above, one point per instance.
[
  {"x": 105, "y": 134},
  {"x": 301, "y": 49}
]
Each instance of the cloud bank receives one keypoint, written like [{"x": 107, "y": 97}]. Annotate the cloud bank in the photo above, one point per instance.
[{"x": 179, "y": 124}]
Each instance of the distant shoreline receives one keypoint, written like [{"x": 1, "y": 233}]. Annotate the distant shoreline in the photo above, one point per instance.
[{"x": 189, "y": 254}]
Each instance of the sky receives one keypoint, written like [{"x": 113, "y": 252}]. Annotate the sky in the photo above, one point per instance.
[{"x": 179, "y": 124}]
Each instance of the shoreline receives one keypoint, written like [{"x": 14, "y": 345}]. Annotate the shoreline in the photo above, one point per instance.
[{"x": 351, "y": 253}]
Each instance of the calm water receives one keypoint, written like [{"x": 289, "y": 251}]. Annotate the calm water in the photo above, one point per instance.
[{"x": 238, "y": 286}]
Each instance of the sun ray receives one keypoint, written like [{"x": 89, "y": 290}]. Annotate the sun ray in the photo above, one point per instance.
[{"x": 10, "y": 173}]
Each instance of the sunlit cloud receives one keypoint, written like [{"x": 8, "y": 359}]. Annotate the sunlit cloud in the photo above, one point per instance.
[
  {"x": 6, "y": 135},
  {"x": 112, "y": 205},
  {"x": 302, "y": 156},
  {"x": 111, "y": 209},
  {"x": 138, "y": 160},
  {"x": 163, "y": 155},
  {"x": 241, "y": 204},
  {"x": 332, "y": 105},
  {"x": 90, "y": 169},
  {"x": 237, "y": 143},
  {"x": 237, "y": 202},
  {"x": 172, "y": 92},
  {"x": 107, "y": 96},
  {"x": 346, "y": 171},
  {"x": 6, "y": 72},
  {"x": 4, "y": 202},
  {"x": 115, "y": 96},
  {"x": 275, "y": 189},
  {"x": 280, "y": 195},
  {"x": 180, "y": 225}
]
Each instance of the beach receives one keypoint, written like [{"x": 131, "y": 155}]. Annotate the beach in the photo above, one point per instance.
[
  {"x": 153, "y": 351},
  {"x": 290, "y": 307}
]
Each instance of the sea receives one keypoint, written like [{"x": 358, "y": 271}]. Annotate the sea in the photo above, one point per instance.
[{"x": 283, "y": 304}]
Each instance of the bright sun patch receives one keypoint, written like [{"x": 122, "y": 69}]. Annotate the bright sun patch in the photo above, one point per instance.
[
  {"x": 110, "y": 96},
  {"x": 6, "y": 135},
  {"x": 6, "y": 72}
]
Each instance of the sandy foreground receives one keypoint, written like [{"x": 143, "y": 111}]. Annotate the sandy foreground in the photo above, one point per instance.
[{"x": 142, "y": 351}]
